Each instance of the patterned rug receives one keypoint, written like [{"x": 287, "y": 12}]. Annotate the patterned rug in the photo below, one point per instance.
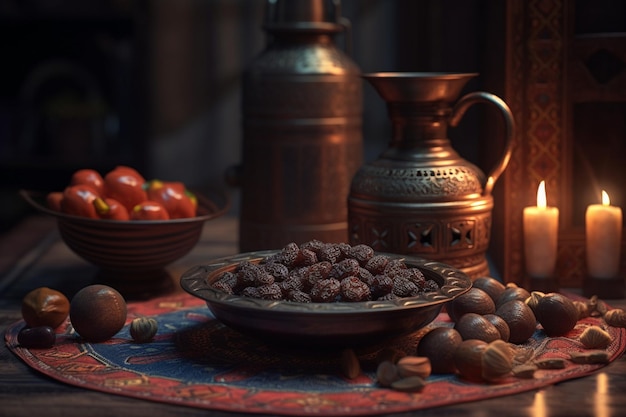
[{"x": 196, "y": 361}]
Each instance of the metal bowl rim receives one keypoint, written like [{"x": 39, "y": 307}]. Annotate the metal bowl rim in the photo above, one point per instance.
[{"x": 195, "y": 281}]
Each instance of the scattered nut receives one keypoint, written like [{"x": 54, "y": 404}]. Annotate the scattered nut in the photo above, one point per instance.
[
  {"x": 468, "y": 358},
  {"x": 40, "y": 337},
  {"x": 615, "y": 317},
  {"x": 583, "y": 309},
  {"x": 550, "y": 363},
  {"x": 409, "y": 384},
  {"x": 590, "y": 357},
  {"x": 497, "y": 360},
  {"x": 524, "y": 371},
  {"x": 477, "y": 326},
  {"x": 439, "y": 345},
  {"x": 143, "y": 329},
  {"x": 44, "y": 306},
  {"x": 556, "y": 313},
  {"x": 386, "y": 373},
  {"x": 534, "y": 299},
  {"x": 594, "y": 337},
  {"x": 522, "y": 355},
  {"x": 414, "y": 366},
  {"x": 350, "y": 365},
  {"x": 596, "y": 307}
]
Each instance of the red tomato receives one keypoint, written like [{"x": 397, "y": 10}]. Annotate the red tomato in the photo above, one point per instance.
[
  {"x": 108, "y": 208},
  {"x": 149, "y": 210},
  {"x": 89, "y": 177},
  {"x": 125, "y": 185},
  {"x": 174, "y": 197},
  {"x": 53, "y": 200},
  {"x": 78, "y": 200}
]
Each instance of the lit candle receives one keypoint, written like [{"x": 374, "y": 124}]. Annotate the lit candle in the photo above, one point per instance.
[
  {"x": 541, "y": 227},
  {"x": 603, "y": 223}
]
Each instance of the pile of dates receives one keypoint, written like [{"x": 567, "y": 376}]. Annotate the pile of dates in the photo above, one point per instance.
[
  {"x": 325, "y": 272},
  {"x": 491, "y": 323},
  {"x": 123, "y": 194}
]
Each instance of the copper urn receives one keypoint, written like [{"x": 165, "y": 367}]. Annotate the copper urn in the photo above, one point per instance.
[
  {"x": 302, "y": 140},
  {"x": 420, "y": 197}
]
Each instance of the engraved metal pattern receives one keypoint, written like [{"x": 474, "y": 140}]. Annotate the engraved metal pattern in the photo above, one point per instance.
[{"x": 415, "y": 183}]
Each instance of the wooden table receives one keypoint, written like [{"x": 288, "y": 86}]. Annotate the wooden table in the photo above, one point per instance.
[{"x": 32, "y": 255}]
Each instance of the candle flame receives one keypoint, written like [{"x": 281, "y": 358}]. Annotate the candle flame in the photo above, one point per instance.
[
  {"x": 541, "y": 195},
  {"x": 605, "y": 199}
]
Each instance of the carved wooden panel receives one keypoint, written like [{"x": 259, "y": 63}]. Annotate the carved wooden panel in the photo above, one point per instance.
[{"x": 567, "y": 91}]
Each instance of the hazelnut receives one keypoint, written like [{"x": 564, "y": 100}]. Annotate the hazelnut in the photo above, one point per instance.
[
  {"x": 615, "y": 317},
  {"x": 594, "y": 337},
  {"x": 143, "y": 329}
]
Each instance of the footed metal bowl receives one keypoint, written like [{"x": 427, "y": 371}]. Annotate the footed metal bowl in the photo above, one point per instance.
[
  {"x": 132, "y": 255},
  {"x": 336, "y": 324}
]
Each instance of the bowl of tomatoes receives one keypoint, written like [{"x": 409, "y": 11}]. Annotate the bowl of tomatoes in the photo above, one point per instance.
[{"x": 127, "y": 226}]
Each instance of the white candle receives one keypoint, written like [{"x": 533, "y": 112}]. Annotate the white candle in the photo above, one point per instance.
[
  {"x": 541, "y": 228},
  {"x": 603, "y": 224}
]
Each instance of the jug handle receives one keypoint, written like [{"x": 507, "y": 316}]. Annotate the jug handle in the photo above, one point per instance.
[{"x": 482, "y": 97}]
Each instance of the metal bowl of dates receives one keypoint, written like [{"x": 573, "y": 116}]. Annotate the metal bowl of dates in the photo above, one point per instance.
[{"x": 329, "y": 324}]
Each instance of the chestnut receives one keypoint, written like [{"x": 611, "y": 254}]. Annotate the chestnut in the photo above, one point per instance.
[
  {"x": 500, "y": 324},
  {"x": 491, "y": 286},
  {"x": 468, "y": 358},
  {"x": 512, "y": 292},
  {"x": 520, "y": 318},
  {"x": 439, "y": 345},
  {"x": 476, "y": 326},
  {"x": 474, "y": 300},
  {"x": 556, "y": 313}
]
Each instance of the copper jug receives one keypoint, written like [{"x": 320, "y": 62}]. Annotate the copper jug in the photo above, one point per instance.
[
  {"x": 302, "y": 139},
  {"x": 420, "y": 196}
]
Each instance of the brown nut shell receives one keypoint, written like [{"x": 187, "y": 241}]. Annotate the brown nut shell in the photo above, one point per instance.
[
  {"x": 44, "y": 306},
  {"x": 476, "y": 326},
  {"x": 473, "y": 301},
  {"x": 491, "y": 286},
  {"x": 615, "y": 317},
  {"x": 520, "y": 318},
  {"x": 97, "y": 312},
  {"x": 595, "y": 337},
  {"x": 439, "y": 346},
  {"x": 497, "y": 360},
  {"x": 512, "y": 292},
  {"x": 556, "y": 313},
  {"x": 468, "y": 359},
  {"x": 501, "y": 325}
]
